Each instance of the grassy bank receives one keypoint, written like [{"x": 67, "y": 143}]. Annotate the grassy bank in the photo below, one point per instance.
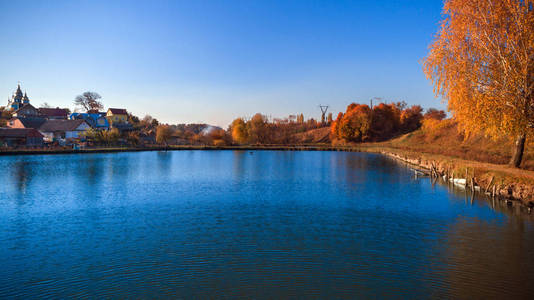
[{"x": 444, "y": 138}]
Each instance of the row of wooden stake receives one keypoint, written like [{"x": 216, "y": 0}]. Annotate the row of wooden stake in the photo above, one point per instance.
[{"x": 470, "y": 182}]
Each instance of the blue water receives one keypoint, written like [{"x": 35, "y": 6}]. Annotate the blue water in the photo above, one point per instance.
[{"x": 255, "y": 224}]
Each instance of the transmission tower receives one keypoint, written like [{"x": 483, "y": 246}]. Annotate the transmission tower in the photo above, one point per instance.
[{"x": 324, "y": 109}]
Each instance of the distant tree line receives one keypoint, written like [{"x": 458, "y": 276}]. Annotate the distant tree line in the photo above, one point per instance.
[{"x": 259, "y": 130}]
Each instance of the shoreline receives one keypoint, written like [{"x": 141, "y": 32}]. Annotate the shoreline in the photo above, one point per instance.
[
  {"x": 182, "y": 148},
  {"x": 496, "y": 181}
]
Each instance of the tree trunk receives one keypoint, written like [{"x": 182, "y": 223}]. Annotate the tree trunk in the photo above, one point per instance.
[{"x": 519, "y": 148}]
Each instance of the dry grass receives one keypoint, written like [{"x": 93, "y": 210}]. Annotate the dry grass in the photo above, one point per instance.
[
  {"x": 446, "y": 140},
  {"x": 319, "y": 135},
  {"x": 482, "y": 171}
]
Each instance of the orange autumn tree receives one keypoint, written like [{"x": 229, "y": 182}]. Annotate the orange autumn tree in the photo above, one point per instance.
[
  {"x": 360, "y": 123},
  {"x": 385, "y": 121},
  {"x": 334, "y": 128},
  {"x": 238, "y": 130},
  {"x": 482, "y": 63},
  {"x": 354, "y": 125},
  {"x": 410, "y": 118}
]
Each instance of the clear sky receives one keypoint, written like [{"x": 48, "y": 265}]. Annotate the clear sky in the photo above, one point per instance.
[{"x": 213, "y": 61}]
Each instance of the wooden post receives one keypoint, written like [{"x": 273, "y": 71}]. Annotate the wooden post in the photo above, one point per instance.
[
  {"x": 466, "y": 178},
  {"x": 489, "y": 184}
]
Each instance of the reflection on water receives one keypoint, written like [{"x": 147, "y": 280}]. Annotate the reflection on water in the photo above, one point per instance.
[
  {"x": 503, "y": 253},
  {"x": 22, "y": 175},
  {"x": 260, "y": 224}
]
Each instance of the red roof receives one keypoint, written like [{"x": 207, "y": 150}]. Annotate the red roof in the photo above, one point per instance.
[
  {"x": 26, "y": 106},
  {"x": 19, "y": 132},
  {"x": 53, "y": 112},
  {"x": 60, "y": 125},
  {"x": 31, "y": 122},
  {"x": 118, "y": 111}
]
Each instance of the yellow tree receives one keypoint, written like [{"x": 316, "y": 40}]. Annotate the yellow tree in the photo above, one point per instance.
[
  {"x": 239, "y": 131},
  {"x": 482, "y": 63},
  {"x": 163, "y": 134}
]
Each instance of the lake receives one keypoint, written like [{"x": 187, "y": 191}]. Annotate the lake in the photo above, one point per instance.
[{"x": 254, "y": 224}]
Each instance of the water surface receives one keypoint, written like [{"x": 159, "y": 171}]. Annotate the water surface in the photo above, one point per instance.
[{"x": 261, "y": 224}]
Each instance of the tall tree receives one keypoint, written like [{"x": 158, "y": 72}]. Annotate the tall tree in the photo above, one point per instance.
[
  {"x": 482, "y": 63},
  {"x": 239, "y": 131},
  {"x": 257, "y": 129},
  {"x": 163, "y": 134},
  {"x": 410, "y": 118},
  {"x": 88, "y": 101},
  {"x": 355, "y": 124}
]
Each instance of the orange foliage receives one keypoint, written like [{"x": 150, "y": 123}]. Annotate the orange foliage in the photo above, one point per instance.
[
  {"x": 433, "y": 127},
  {"x": 219, "y": 137},
  {"x": 259, "y": 130},
  {"x": 239, "y": 131},
  {"x": 334, "y": 128},
  {"x": 410, "y": 118},
  {"x": 355, "y": 124},
  {"x": 360, "y": 123},
  {"x": 433, "y": 113},
  {"x": 384, "y": 121},
  {"x": 481, "y": 63}
]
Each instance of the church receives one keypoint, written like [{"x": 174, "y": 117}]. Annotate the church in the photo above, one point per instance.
[{"x": 18, "y": 100}]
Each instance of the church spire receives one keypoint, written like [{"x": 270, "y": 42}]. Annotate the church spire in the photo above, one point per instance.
[
  {"x": 25, "y": 99},
  {"x": 18, "y": 99},
  {"x": 18, "y": 93}
]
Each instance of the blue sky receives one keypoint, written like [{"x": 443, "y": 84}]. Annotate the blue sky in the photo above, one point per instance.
[{"x": 213, "y": 61}]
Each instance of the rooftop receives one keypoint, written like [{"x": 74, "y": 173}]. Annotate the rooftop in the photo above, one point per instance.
[
  {"x": 53, "y": 112},
  {"x": 60, "y": 125},
  {"x": 118, "y": 111},
  {"x": 30, "y": 122},
  {"x": 19, "y": 132}
]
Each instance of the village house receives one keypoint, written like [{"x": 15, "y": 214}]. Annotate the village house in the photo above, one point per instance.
[
  {"x": 27, "y": 111},
  {"x": 54, "y": 113},
  {"x": 20, "y": 137},
  {"x": 63, "y": 129},
  {"x": 118, "y": 118},
  {"x": 57, "y": 123},
  {"x": 96, "y": 120},
  {"x": 117, "y": 115},
  {"x": 26, "y": 122}
]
